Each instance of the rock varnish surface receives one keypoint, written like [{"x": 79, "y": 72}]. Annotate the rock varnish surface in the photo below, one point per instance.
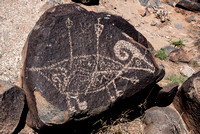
[
  {"x": 78, "y": 63},
  {"x": 12, "y": 101},
  {"x": 187, "y": 102}
]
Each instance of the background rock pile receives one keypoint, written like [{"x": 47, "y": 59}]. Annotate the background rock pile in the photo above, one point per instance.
[{"x": 152, "y": 107}]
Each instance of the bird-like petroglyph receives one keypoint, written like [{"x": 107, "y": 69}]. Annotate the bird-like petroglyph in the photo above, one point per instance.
[{"x": 89, "y": 74}]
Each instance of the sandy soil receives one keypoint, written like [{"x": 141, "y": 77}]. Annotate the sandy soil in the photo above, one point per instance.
[{"x": 17, "y": 18}]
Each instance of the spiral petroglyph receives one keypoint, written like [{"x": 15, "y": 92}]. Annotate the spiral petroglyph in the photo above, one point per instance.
[
  {"x": 93, "y": 81},
  {"x": 82, "y": 63}
]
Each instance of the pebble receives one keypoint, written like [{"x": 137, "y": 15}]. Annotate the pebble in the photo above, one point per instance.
[
  {"x": 154, "y": 23},
  {"x": 170, "y": 27},
  {"x": 152, "y": 35},
  {"x": 114, "y": 7},
  {"x": 190, "y": 18},
  {"x": 142, "y": 12},
  {"x": 178, "y": 26},
  {"x": 1, "y": 73},
  {"x": 15, "y": 76},
  {"x": 143, "y": 2},
  {"x": 137, "y": 25},
  {"x": 173, "y": 4}
]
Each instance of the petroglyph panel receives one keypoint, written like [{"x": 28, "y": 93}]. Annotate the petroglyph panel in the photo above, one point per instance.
[{"x": 82, "y": 59}]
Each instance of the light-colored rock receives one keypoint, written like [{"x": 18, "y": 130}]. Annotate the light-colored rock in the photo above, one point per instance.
[
  {"x": 154, "y": 23},
  {"x": 186, "y": 70}
]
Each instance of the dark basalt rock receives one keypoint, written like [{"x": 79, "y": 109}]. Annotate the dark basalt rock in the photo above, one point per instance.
[
  {"x": 187, "y": 102},
  {"x": 166, "y": 95},
  {"x": 165, "y": 120},
  {"x": 87, "y": 2},
  {"x": 79, "y": 63},
  {"x": 189, "y": 5},
  {"x": 12, "y": 101}
]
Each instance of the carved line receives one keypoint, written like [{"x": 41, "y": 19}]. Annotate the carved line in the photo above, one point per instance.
[
  {"x": 69, "y": 24},
  {"x": 98, "y": 29}
]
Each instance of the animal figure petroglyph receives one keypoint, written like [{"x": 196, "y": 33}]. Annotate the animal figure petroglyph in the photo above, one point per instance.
[{"x": 89, "y": 74}]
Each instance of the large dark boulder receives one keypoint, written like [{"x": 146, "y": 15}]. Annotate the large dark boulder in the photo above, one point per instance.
[
  {"x": 12, "y": 101},
  {"x": 79, "y": 63},
  {"x": 187, "y": 102}
]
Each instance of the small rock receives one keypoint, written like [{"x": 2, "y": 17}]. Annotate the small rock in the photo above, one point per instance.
[
  {"x": 178, "y": 26},
  {"x": 15, "y": 76},
  {"x": 114, "y": 7},
  {"x": 173, "y": 4},
  {"x": 167, "y": 37},
  {"x": 142, "y": 12},
  {"x": 180, "y": 55},
  {"x": 12, "y": 101},
  {"x": 152, "y": 35},
  {"x": 1, "y": 73},
  {"x": 190, "y": 18},
  {"x": 137, "y": 25},
  {"x": 143, "y": 2},
  {"x": 168, "y": 49},
  {"x": 154, "y": 23},
  {"x": 187, "y": 70},
  {"x": 155, "y": 3}
]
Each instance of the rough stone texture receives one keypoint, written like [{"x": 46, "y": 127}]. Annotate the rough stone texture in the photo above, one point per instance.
[
  {"x": 165, "y": 120},
  {"x": 186, "y": 70},
  {"x": 27, "y": 130},
  {"x": 189, "y": 4},
  {"x": 166, "y": 95},
  {"x": 180, "y": 55},
  {"x": 79, "y": 63},
  {"x": 168, "y": 49},
  {"x": 12, "y": 100},
  {"x": 190, "y": 18},
  {"x": 187, "y": 102}
]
